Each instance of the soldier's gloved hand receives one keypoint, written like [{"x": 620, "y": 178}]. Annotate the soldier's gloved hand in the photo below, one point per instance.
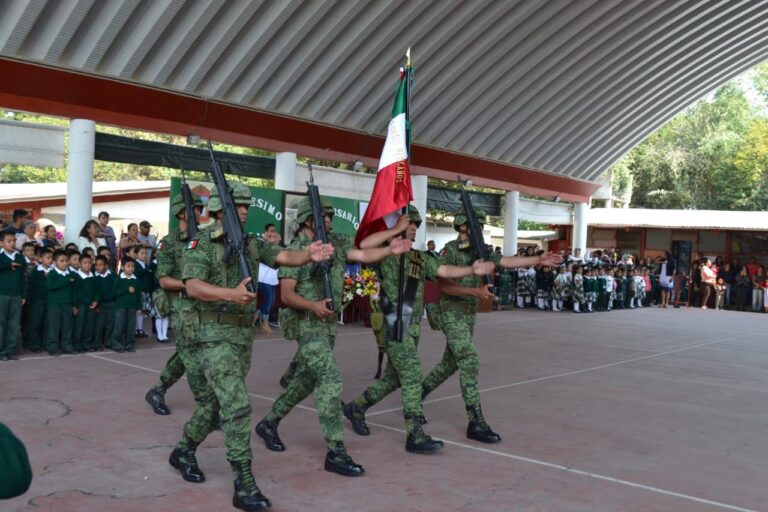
[
  {"x": 400, "y": 246},
  {"x": 484, "y": 292},
  {"x": 483, "y": 268},
  {"x": 319, "y": 251},
  {"x": 241, "y": 295},
  {"x": 320, "y": 308}
]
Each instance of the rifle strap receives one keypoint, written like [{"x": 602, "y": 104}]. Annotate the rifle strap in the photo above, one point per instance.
[{"x": 413, "y": 268}]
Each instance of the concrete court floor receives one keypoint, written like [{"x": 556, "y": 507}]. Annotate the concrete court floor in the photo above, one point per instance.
[{"x": 644, "y": 410}]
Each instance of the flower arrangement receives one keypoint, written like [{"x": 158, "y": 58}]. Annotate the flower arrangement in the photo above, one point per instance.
[{"x": 364, "y": 284}]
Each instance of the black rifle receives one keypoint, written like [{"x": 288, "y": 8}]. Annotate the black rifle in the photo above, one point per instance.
[
  {"x": 189, "y": 207},
  {"x": 236, "y": 240},
  {"x": 475, "y": 232},
  {"x": 319, "y": 217}
]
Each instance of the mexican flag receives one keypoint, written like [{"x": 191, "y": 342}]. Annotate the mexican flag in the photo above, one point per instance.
[{"x": 392, "y": 190}]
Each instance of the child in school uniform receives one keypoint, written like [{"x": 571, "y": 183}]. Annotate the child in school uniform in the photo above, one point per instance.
[
  {"x": 105, "y": 312},
  {"x": 60, "y": 286},
  {"x": 610, "y": 292},
  {"x": 639, "y": 288},
  {"x": 29, "y": 251},
  {"x": 647, "y": 287},
  {"x": 12, "y": 293},
  {"x": 127, "y": 292},
  {"x": 559, "y": 287},
  {"x": 86, "y": 302},
  {"x": 144, "y": 274},
  {"x": 37, "y": 300},
  {"x": 601, "y": 295},
  {"x": 720, "y": 288},
  {"x": 544, "y": 283},
  {"x": 577, "y": 289},
  {"x": 521, "y": 288},
  {"x": 590, "y": 289},
  {"x": 74, "y": 260}
]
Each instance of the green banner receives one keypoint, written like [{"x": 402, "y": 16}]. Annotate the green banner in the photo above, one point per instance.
[{"x": 345, "y": 219}]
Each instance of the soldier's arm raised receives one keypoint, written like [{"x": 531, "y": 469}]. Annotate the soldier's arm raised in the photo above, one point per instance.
[
  {"x": 478, "y": 268},
  {"x": 527, "y": 261},
  {"x": 375, "y": 254},
  {"x": 377, "y": 239},
  {"x": 316, "y": 251},
  {"x": 451, "y": 287}
]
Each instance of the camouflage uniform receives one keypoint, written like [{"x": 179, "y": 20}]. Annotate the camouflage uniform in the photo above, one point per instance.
[
  {"x": 316, "y": 368},
  {"x": 459, "y": 315},
  {"x": 403, "y": 363},
  {"x": 219, "y": 339}
]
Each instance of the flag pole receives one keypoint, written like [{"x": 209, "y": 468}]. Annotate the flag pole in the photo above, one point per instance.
[{"x": 400, "y": 328}]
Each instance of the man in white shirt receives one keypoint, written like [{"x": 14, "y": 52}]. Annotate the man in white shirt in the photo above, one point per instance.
[
  {"x": 147, "y": 240},
  {"x": 267, "y": 282}
]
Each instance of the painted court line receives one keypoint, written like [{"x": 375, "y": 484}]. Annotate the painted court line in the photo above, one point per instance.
[
  {"x": 519, "y": 458},
  {"x": 568, "y": 374}
]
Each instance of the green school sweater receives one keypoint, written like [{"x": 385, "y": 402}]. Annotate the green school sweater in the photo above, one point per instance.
[
  {"x": 125, "y": 299},
  {"x": 106, "y": 286},
  {"x": 146, "y": 276},
  {"x": 60, "y": 288},
  {"x": 87, "y": 290},
  {"x": 12, "y": 279},
  {"x": 37, "y": 285}
]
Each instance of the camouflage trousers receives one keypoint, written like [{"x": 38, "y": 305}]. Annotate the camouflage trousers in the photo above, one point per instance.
[
  {"x": 173, "y": 371},
  {"x": 460, "y": 354},
  {"x": 316, "y": 371},
  {"x": 222, "y": 366},
  {"x": 403, "y": 369}
]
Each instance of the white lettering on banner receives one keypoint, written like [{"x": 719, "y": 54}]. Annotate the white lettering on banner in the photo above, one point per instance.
[
  {"x": 348, "y": 216},
  {"x": 269, "y": 208}
]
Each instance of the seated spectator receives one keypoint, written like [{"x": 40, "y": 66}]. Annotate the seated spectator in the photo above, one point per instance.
[
  {"x": 50, "y": 237},
  {"x": 27, "y": 235},
  {"x": 89, "y": 236}
]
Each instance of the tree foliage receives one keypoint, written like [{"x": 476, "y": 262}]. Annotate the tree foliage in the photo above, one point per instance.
[{"x": 713, "y": 155}]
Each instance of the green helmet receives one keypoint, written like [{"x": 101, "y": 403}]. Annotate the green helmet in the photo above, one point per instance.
[
  {"x": 177, "y": 203},
  {"x": 241, "y": 194},
  {"x": 304, "y": 208},
  {"x": 413, "y": 214},
  {"x": 461, "y": 218}
]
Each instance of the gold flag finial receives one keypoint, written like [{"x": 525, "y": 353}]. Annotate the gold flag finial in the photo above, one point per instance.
[{"x": 408, "y": 63}]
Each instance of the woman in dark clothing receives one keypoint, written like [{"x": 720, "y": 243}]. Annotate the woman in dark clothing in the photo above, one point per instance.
[
  {"x": 49, "y": 237},
  {"x": 728, "y": 275},
  {"x": 743, "y": 286}
]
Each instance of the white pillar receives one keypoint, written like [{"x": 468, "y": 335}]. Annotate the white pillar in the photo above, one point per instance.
[
  {"x": 285, "y": 172},
  {"x": 419, "y": 186},
  {"x": 580, "y": 227},
  {"x": 79, "y": 202},
  {"x": 511, "y": 218}
]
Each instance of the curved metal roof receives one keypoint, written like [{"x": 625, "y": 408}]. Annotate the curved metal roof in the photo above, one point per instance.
[{"x": 557, "y": 85}]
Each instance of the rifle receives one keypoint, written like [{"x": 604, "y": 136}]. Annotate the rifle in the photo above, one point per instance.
[
  {"x": 319, "y": 216},
  {"x": 236, "y": 240},
  {"x": 186, "y": 194},
  {"x": 475, "y": 233}
]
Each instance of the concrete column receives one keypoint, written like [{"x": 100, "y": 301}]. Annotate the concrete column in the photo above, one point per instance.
[
  {"x": 285, "y": 172},
  {"x": 511, "y": 217},
  {"x": 580, "y": 211},
  {"x": 79, "y": 202},
  {"x": 419, "y": 186}
]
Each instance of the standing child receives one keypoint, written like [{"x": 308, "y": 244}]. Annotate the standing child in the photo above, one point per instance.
[
  {"x": 647, "y": 287},
  {"x": 577, "y": 289},
  {"x": 602, "y": 298},
  {"x": 12, "y": 291},
  {"x": 29, "y": 251},
  {"x": 544, "y": 282},
  {"x": 629, "y": 297},
  {"x": 37, "y": 299},
  {"x": 60, "y": 285},
  {"x": 521, "y": 289},
  {"x": 86, "y": 302},
  {"x": 146, "y": 276},
  {"x": 610, "y": 292},
  {"x": 590, "y": 289},
  {"x": 621, "y": 287},
  {"x": 127, "y": 301},
  {"x": 559, "y": 288},
  {"x": 639, "y": 288},
  {"x": 105, "y": 313},
  {"x": 74, "y": 260},
  {"x": 720, "y": 289}
]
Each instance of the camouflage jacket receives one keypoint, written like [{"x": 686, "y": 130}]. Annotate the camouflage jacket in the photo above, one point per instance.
[
  {"x": 460, "y": 254},
  {"x": 417, "y": 264}
]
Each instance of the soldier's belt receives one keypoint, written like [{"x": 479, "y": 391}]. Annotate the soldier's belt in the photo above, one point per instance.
[
  {"x": 308, "y": 315},
  {"x": 177, "y": 294},
  {"x": 213, "y": 317},
  {"x": 462, "y": 307}
]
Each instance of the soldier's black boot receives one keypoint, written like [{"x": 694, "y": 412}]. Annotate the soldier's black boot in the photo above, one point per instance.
[
  {"x": 356, "y": 415},
  {"x": 417, "y": 441},
  {"x": 183, "y": 458},
  {"x": 247, "y": 494},
  {"x": 338, "y": 461},
  {"x": 478, "y": 429},
  {"x": 267, "y": 430},
  {"x": 156, "y": 398}
]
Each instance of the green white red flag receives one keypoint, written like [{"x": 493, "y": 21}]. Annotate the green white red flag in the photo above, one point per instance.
[{"x": 392, "y": 190}]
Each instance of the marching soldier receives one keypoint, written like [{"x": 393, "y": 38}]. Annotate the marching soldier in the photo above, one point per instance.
[
  {"x": 169, "y": 260},
  {"x": 403, "y": 364},
  {"x": 308, "y": 320},
  {"x": 219, "y": 327},
  {"x": 459, "y": 310}
]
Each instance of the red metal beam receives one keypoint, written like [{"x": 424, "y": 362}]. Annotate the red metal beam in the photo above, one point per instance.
[{"x": 35, "y": 88}]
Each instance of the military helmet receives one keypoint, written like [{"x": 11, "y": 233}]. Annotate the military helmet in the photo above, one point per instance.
[
  {"x": 413, "y": 214},
  {"x": 304, "y": 208},
  {"x": 241, "y": 194},
  {"x": 461, "y": 218},
  {"x": 177, "y": 203}
]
